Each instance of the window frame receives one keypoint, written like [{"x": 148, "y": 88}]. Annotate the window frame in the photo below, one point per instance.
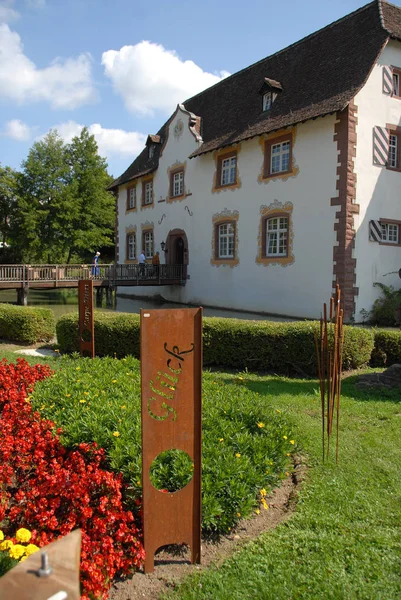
[
  {"x": 396, "y": 71},
  {"x": 395, "y": 131},
  {"x": 217, "y": 226},
  {"x": 268, "y": 145},
  {"x": 144, "y": 233},
  {"x": 173, "y": 174},
  {"x": 267, "y": 96},
  {"x": 266, "y": 219},
  {"x": 219, "y": 174},
  {"x": 129, "y": 190},
  {"x": 129, "y": 235},
  {"x": 396, "y": 224},
  {"x": 145, "y": 183}
]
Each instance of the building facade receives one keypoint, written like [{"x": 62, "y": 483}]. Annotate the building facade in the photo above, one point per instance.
[{"x": 280, "y": 181}]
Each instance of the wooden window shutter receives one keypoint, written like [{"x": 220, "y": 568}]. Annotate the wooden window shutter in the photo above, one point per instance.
[
  {"x": 381, "y": 140},
  {"x": 127, "y": 205},
  {"x": 375, "y": 231},
  {"x": 387, "y": 80}
]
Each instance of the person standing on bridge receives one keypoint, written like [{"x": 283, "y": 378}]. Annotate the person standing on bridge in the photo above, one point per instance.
[
  {"x": 95, "y": 265},
  {"x": 142, "y": 264}
]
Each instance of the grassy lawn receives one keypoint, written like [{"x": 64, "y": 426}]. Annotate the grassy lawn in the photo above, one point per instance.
[{"x": 344, "y": 539}]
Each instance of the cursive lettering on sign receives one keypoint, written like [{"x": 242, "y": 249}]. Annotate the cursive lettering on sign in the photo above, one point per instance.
[{"x": 168, "y": 382}]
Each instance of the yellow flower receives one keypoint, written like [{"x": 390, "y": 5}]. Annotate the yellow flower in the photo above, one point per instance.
[
  {"x": 285, "y": 437},
  {"x": 116, "y": 434},
  {"x": 263, "y": 492},
  {"x": 23, "y": 558},
  {"x": 261, "y": 425},
  {"x": 237, "y": 454},
  {"x": 171, "y": 388},
  {"x": 28, "y": 399},
  {"x": 267, "y": 471},
  {"x": 241, "y": 378},
  {"x": 82, "y": 401},
  {"x": 114, "y": 381},
  {"x": 78, "y": 380},
  {"x": 292, "y": 442},
  {"x": 86, "y": 393},
  {"x": 287, "y": 454},
  {"x": 221, "y": 439},
  {"x": 123, "y": 406},
  {"x": 56, "y": 350},
  {"x": 265, "y": 505},
  {"x": 257, "y": 511},
  {"x": 1, "y": 536},
  {"x": 278, "y": 411},
  {"x": 238, "y": 514},
  {"x": 78, "y": 369},
  {"x": 31, "y": 548},
  {"x": 6, "y": 545},
  {"x": 23, "y": 535},
  {"x": 17, "y": 551},
  {"x": 138, "y": 483},
  {"x": 67, "y": 395}
]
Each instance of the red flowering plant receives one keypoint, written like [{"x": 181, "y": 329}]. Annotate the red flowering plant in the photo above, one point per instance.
[{"x": 52, "y": 490}]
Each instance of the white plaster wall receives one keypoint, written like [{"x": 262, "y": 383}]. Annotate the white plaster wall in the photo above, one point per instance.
[
  {"x": 377, "y": 189},
  {"x": 298, "y": 289}
]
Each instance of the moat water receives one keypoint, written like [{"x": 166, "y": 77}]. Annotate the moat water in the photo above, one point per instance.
[{"x": 65, "y": 301}]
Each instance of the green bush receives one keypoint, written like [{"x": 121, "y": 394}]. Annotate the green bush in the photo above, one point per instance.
[
  {"x": 387, "y": 348},
  {"x": 384, "y": 310},
  {"x": 246, "y": 444},
  {"x": 285, "y": 348},
  {"x": 26, "y": 324}
]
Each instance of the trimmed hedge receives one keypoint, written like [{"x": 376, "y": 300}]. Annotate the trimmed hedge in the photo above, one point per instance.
[
  {"x": 26, "y": 324},
  {"x": 285, "y": 348},
  {"x": 387, "y": 349},
  {"x": 116, "y": 334}
]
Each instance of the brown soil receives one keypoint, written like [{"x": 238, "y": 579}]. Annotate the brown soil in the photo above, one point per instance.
[{"x": 172, "y": 565}]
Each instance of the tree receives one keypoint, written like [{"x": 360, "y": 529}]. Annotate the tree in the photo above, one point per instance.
[
  {"x": 64, "y": 210},
  {"x": 88, "y": 182},
  {"x": 8, "y": 200}
]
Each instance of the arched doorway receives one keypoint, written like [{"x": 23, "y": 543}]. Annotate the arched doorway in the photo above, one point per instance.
[{"x": 177, "y": 252}]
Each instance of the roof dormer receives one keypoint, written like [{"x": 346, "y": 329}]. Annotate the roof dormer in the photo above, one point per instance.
[
  {"x": 269, "y": 91},
  {"x": 151, "y": 143}
]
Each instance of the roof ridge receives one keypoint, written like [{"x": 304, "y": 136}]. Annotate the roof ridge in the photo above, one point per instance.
[
  {"x": 309, "y": 36},
  {"x": 379, "y": 4}
]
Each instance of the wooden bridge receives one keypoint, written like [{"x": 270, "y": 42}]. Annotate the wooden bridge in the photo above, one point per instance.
[{"x": 24, "y": 277}]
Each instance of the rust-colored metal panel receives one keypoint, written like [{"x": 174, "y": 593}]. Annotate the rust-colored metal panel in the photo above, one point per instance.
[
  {"x": 86, "y": 322},
  {"x": 171, "y": 370}
]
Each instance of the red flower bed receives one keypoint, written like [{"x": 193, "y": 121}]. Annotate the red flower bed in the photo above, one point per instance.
[{"x": 52, "y": 491}]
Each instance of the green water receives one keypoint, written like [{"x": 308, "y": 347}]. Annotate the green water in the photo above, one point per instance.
[{"x": 66, "y": 300}]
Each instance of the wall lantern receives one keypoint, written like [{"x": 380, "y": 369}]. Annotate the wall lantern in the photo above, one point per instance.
[{"x": 163, "y": 246}]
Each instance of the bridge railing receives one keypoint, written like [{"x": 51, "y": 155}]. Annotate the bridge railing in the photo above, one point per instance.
[{"x": 31, "y": 274}]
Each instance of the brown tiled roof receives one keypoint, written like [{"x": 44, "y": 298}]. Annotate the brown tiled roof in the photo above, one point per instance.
[{"x": 319, "y": 75}]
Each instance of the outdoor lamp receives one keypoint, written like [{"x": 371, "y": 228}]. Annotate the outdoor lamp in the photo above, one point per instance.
[{"x": 162, "y": 245}]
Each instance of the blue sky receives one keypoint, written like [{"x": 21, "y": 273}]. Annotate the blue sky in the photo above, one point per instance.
[{"x": 121, "y": 66}]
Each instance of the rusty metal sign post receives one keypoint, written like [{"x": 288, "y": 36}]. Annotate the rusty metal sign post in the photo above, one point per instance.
[
  {"x": 171, "y": 389},
  {"x": 86, "y": 321}
]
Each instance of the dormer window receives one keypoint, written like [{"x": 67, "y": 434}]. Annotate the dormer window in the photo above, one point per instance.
[
  {"x": 151, "y": 143},
  {"x": 269, "y": 91},
  {"x": 151, "y": 151},
  {"x": 267, "y": 101}
]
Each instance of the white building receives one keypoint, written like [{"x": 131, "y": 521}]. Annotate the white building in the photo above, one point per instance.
[{"x": 281, "y": 180}]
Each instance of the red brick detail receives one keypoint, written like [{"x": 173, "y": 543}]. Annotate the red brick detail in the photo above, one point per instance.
[{"x": 344, "y": 264}]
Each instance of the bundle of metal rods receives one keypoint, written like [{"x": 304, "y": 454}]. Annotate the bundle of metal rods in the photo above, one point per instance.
[{"x": 329, "y": 349}]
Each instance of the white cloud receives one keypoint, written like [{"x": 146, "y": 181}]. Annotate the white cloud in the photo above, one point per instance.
[
  {"x": 111, "y": 142},
  {"x": 7, "y": 13},
  {"x": 150, "y": 78},
  {"x": 64, "y": 84},
  {"x": 17, "y": 130}
]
